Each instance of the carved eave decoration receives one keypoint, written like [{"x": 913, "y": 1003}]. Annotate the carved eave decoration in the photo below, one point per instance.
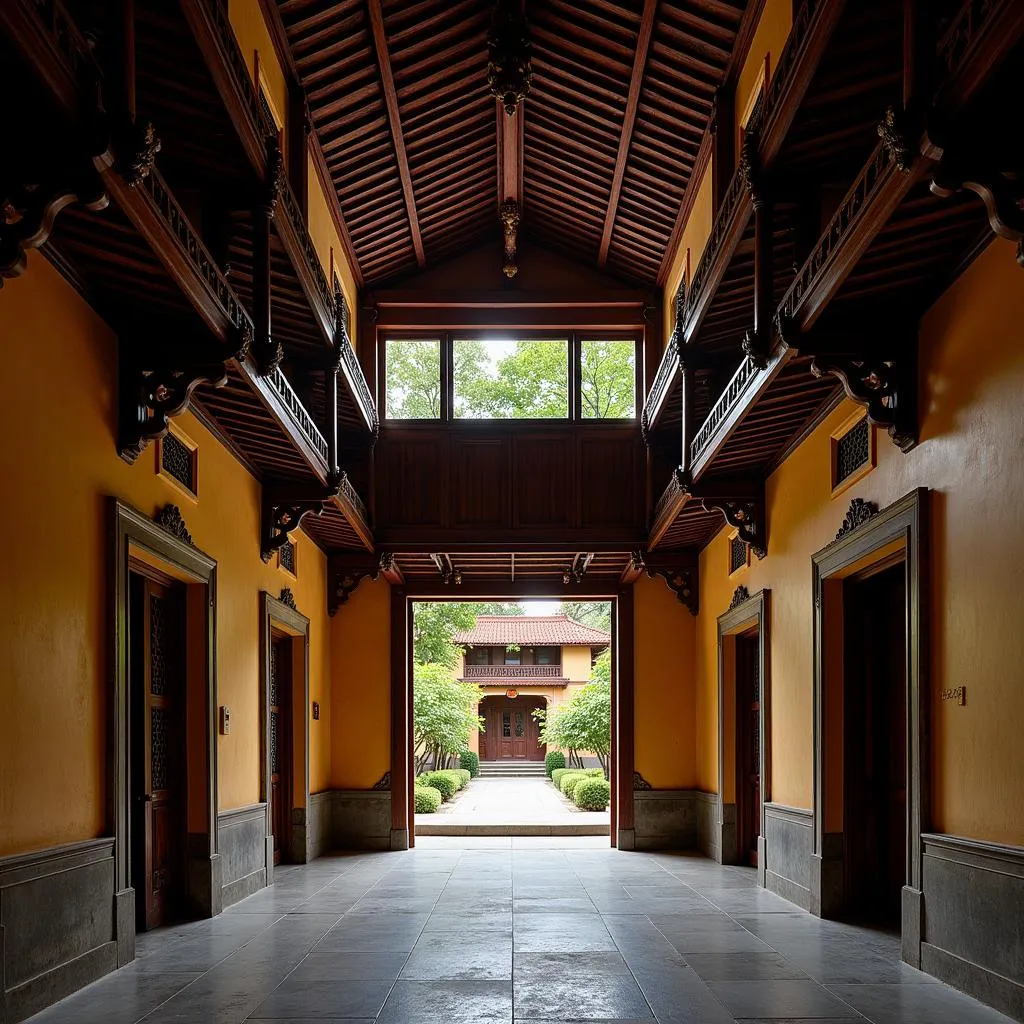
[
  {"x": 510, "y": 218},
  {"x": 509, "y": 67},
  {"x": 382, "y": 784},
  {"x": 681, "y": 578},
  {"x": 169, "y": 519},
  {"x": 347, "y": 571},
  {"x": 892, "y": 130},
  {"x": 578, "y": 569},
  {"x": 859, "y": 512},
  {"x": 284, "y": 507},
  {"x": 640, "y": 784},
  {"x": 288, "y": 598},
  {"x": 740, "y": 594}
]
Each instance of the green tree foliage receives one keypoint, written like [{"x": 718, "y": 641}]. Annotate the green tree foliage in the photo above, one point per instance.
[
  {"x": 443, "y": 714},
  {"x": 531, "y": 381},
  {"x": 596, "y": 614},
  {"x": 414, "y": 379},
  {"x": 607, "y": 381},
  {"x": 434, "y": 623},
  {"x": 584, "y": 723}
]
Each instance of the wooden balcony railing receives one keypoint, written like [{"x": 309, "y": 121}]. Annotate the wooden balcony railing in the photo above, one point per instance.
[{"x": 513, "y": 672}]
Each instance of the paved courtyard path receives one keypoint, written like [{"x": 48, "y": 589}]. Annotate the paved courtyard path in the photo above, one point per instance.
[{"x": 524, "y": 806}]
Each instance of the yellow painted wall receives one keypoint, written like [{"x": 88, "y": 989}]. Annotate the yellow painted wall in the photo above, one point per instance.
[
  {"x": 664, "y": 636},
  {"x": 54, "y": 672},
  {"x": 693, "y": 240},
  {"x": 769, "y": 39},
  {"x": 253, "y": 36},
  {"x": 361, "y": 666},
  {"x": 972, "y": 438},
  {"x": 576, "y": 664}
]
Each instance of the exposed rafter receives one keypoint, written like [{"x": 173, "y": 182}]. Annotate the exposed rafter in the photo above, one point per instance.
[
  {"x": 380, "y": 42},
  {"x": 643, "y": 43}
]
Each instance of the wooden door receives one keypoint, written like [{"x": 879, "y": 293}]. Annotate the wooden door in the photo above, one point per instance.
[
  {"x": 158, "y": 690},
  {"x": 279, "y": 726},
  {"x": 748, "y": 745},
  {"x": 874, "y": 747}
]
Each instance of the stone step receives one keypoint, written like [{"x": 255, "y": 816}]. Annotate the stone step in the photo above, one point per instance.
[{"x": 511, "y": 769}]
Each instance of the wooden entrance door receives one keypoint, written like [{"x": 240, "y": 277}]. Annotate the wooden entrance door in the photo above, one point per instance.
[
  {"x": 748, "y": 745},
  {"x": 157, "y": 642},
  {"x": 512, "y": 733},
  {"x": 280, "y": 731},
  {"x": 874, "y": 744}
]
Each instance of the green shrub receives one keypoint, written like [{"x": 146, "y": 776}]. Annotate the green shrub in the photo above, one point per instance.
[
  {"x": 553, "y": 759},
  {"x": 592, "y": 794},
  {"x": 569, "y": 784},
  {"x": 570, "y": 781},
  {"x": 470, "y": 760},
  {"x": 594, "y": 773},
  {"x": 428, "y": 799},
  {"x": 444, "y": 783},
  {"x": 455, "y": 774},
  {"x": 464, "y": 776},
  {"x": 558, "y": 774}
]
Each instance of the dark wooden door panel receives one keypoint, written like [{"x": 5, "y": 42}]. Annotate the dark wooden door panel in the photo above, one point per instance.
[
  {"x": 279, "y": 732},
  {"x": 413, "y": 483}
]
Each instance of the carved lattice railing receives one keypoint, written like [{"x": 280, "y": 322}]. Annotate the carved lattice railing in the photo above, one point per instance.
[
  {"x": 733, "y": 393},
  {"x": 513, "y": 672},
  {"x": 349, "y": 494},
  {"x": 279, "y": 382}
]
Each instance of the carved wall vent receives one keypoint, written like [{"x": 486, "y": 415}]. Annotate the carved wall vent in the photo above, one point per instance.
[
  {"x": 852, "y": 452},
  {"x": 286, "y": 557},
  {"x": 737, "y": 554},
  {"x": 178, "y": 460}
]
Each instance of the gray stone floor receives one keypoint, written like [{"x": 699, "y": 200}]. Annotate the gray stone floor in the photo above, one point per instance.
[{"x": 533, "y": 931}]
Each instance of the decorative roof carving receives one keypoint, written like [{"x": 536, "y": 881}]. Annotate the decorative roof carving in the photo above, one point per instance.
[
  {"x": 288, "y": 598},
  {"x": 740, "y": 594},
  {"x": 169, "y": 518},
  {"x": 859, "y": 512}
]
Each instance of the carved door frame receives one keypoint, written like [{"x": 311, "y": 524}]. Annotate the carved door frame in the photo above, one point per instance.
[
  {"x": 275, "y": 614},
  {"x": 748, "y": 613},
  {"x": 867, "y": 538},
  {"x": 166, "y": 545}
]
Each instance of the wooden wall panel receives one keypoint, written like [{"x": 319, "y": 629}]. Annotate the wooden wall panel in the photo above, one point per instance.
[
  {"x": 413, "y": 483},
  {"x": 480, "y": 479},
  {"x": 544, "y": 480},
  {"x": 609, "y": 492}
]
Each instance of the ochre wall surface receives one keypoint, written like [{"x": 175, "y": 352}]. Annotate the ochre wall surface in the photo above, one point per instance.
[
  {"x": 664, "y": 636},
  {"x": 769, "y": 40},
  {"x": 361, "y": 667},
  {"x": 972, "y": 438},
  {"x": 693, "y": 239},
  {"x": 54, "y": 670}
]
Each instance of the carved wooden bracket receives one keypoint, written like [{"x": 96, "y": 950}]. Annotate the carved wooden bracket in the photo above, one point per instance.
[
  {"x": 274, "y": 182},
  {"x": 887, "y": 388},
  {"x": 750, "y": 170},
  {"x": 680, "y": 572},
  {"x": 148, "y": 399},
  {"x": 284, "y": 506},
  {"x": 1002, "y": 194},
  {"x": 28, "y": 213},
  {"x": 757, "y": 346},
  {"x": 894, "y": 133},
  {"x": 347, "y": 571},
  {"x": 136, "y": 147},
  {"x": 746, "y": 516},
  {"x": 382, "y": 784},
  {"x": 580, "y": 564},
  {"x": 640, "y": 784}
]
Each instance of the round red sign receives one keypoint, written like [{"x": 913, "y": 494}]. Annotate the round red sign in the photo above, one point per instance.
[{"x": 511, "y": 693}]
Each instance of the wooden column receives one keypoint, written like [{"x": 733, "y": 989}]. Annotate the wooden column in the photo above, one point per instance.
[
  {"x": 689, "y": 426},
  {"x": 401, "y": 771},
  {"x": 331, "y": 414},
  {"x": 723, "y": 151},
  {"x": 625, "y": 838},
  {"x": 261, "y": 293}
]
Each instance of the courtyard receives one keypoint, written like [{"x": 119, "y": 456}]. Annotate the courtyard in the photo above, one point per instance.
[{"x": 512, "y": 806}]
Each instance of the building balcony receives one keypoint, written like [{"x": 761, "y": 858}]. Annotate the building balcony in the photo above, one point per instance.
[{"x": 516, "y": 672}]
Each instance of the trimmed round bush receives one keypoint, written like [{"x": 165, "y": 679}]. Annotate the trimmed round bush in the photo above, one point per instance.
[
  {"x": 442, "y": 782},
  {"x": 570, "y": 782},
  {"x": 464, "y": 776},
  {"x": 553, "y": 759},
  {"x": 592, "y": 794},
  {"x": 560, "y": 773},
  {"x": 455, "y": 775},
  {"x": 594, "y": 773},
  {"x": 427, "y": 798},
  {"x": 470, "y": 760}
]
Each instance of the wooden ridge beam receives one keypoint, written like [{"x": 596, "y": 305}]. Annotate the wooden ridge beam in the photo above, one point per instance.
[
  {"x": 511, "y": 130},
  {"x": 643, "y": 43},
  {"x": 380, "y": 42}
]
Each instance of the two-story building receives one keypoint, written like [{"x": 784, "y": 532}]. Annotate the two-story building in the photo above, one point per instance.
[{"x": 524, "y": 662}]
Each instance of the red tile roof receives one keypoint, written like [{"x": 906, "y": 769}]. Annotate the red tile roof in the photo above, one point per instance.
[{"x": 531, "y": 630}]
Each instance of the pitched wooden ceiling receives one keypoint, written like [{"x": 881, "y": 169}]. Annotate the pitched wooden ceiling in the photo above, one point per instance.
[{"x": 622, "y": 92}]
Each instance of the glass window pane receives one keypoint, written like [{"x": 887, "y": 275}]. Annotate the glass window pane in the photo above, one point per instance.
[
  {"x": 608, "y": 379},
  {"x": 506, "y": 724},
  {"x": 413, "y": 377},
  {"x": 505, "y": 379}
]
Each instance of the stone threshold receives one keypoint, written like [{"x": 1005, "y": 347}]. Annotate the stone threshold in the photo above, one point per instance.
[{"x": 583, "y": 829}]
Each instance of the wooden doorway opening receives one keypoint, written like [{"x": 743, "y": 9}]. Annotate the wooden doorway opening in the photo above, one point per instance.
[
  {"x": 870, "y": 722},
  {"x": 743, "y": 722},
  {"x": 163, "y": 751},
  {"x": 157, "y": 645},
  {"x": 284, "y": 712},
  {"x": 511, "y": 732}
]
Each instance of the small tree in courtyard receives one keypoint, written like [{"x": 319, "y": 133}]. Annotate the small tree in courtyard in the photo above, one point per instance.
[
  {"x": 443, "y": 715},
  {"x": 584, "y": 723}
]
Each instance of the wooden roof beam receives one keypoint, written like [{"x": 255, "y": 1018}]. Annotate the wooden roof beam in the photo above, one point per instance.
[
  {"x": 380, "y": 42},
  {"x": 643, "y": 44},
  {"x": 510, "y": 153}
]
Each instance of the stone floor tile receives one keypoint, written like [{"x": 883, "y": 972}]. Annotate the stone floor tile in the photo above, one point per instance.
[
  {"x": 774, "y": 999},
  {"x": 339, "y": 998},
  {"x": 448, "y": 1002},
  {"x": 742, "y": 967},
  {"x": 916, "y": 1004}
]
